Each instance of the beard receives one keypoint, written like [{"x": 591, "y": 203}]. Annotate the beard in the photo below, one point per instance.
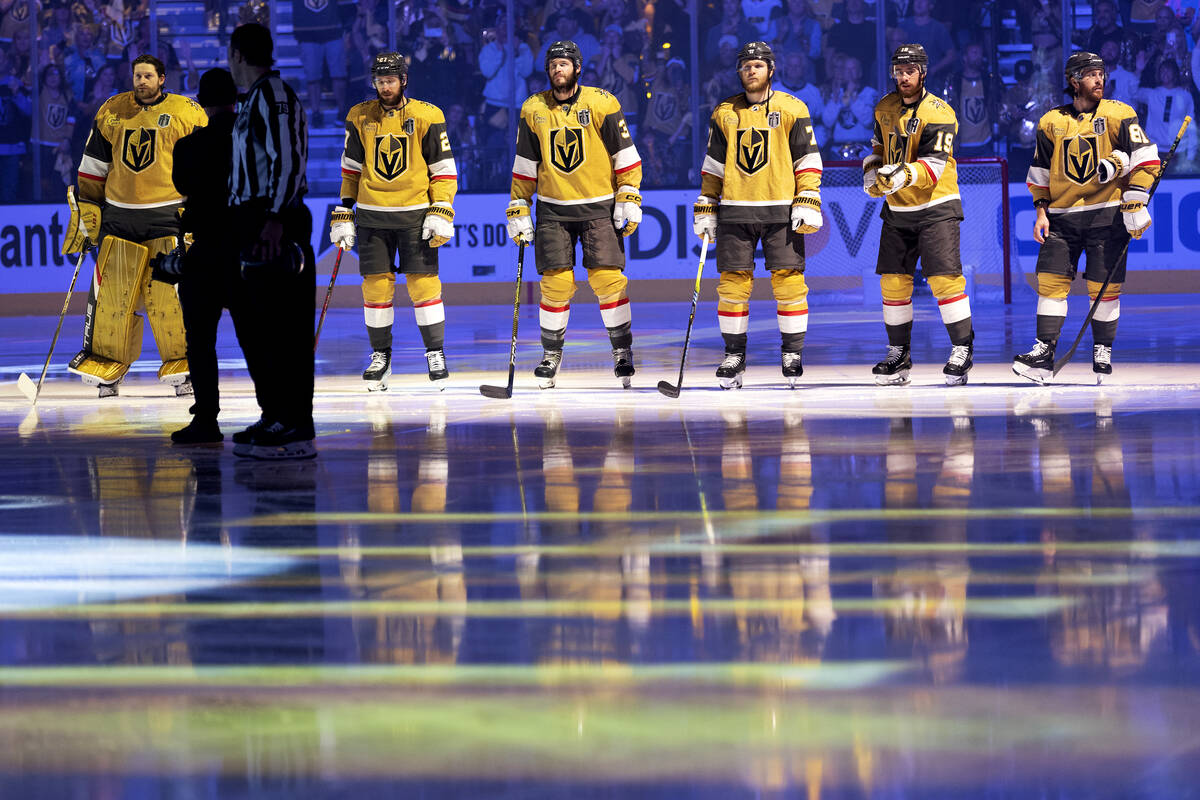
[
  {"x": 564, "y": 83},
  {"x": 146, "y": 94},
  {"x": 393, "y": 100},
  {"x": 756, "y": 84}
]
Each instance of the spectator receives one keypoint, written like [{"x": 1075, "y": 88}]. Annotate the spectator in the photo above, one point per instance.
[
  {"x": 1166, "y": 106},
  {"x": 793, "y": 79},
  {"x": 849, "y": 113},
  {"x": 975, "y": 93},
  {"x": 671, "y": 28},
  {"x": 83, "y": 60},
  {"x": 759, "y": 13},
  {"x": 1104, "y": 27},
  {"x": 320, "y": 31},
  {"x": 797, "y": 31},
  {"x": 500, "y": 96},
  {"x": 430, "y": 64},
  {"x": 662, "y": 128},
  {"x": 617, "y": 70},
  {"x": 724, "y": 80},
  {"x": 854, "y": 36},
  {"x": 1143, "y": 14},
  {"x": 621, "y": 13},
  {"x": 1167, "y": 42},
  {"x": 14, "y": 16},
  {"x": 368, "y": 36},
  {"x": 56, "y": 31},
  {"x": 1121, "y": 84},
  {"x": 733, "y": 24},
  {"x": 462, "y": 141},
  {"x": 565, "y": 28},
  {"x": 925, "y": 30},
  {"x": 16, "y": 107},
  {"x": 56, "y": 120}
]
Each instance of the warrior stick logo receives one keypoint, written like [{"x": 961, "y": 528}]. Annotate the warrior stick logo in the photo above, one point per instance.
[
  {"x": 751, "y": 149},
  {"x": 391, "y": 156},
  {"x": 137, "y": 148},
  {"x": 566, "y": 148},
  {"x": 1079, "y": 159}
]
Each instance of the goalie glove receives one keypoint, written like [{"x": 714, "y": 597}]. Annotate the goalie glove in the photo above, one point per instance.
[
  {"x": 520, "y": 224},
  {"x": 806, "y": 214},
  {"x": 1133, "y": 207},
  {"x": 870, "y": 173},
  {"x": 627, "y": 213},
  {"x": 83, "y": 227},
  {"x": 892, "y": 178},
  {"x": 704, "y": 217},
  {"x": 341, "y": 228},
  {"x": 1115, "y": 166},
  {"x": 438, "y": 226}
]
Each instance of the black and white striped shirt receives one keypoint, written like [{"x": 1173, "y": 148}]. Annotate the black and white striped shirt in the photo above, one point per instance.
[{"x": 270, "y": 147}]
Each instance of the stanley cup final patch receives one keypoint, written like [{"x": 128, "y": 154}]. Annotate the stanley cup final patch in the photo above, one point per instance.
[
  {"x": 410, "y": 126},
  {"x": 164, "y": 120},
  {"x": 1099, "y": 126},
  {"x": 773, "y": 119},
  {"x": 585, "y": 116}
]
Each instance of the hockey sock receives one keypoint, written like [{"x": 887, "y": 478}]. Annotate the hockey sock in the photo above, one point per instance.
[
  {"x": 791, "y": 307},
  {"x": 897, "y": 308},
  {"x": 733, "y": 308},
  {"x": 954, "y": 306},
  {"x": 1052, "y": 305},
  {"x": 792, "y": 342},
  {"x": 615, "y": 312},
  {"x": 378, "y": 292},
  {"x": 734, "y": 342},
  {"x": 1104, "y": 322},
  {"x": 553, "y": 321},
  {"x": 434, "y": 336}
]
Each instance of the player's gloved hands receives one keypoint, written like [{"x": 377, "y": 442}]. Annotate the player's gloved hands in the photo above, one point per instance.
[
  {"x": 704, "y": 217},
  {"x": 627, "y": 213},
  {"x": 1115, "y": 166},
  {"x": 893, "y": 177},
  {"x": 438, "y": 226},
  {"x": 520, "y": 224},
  {"x": 870, "y": 173},
  {"x": 1133, "y": 207},
  {"x": 806, "y": 214},
  {"x": 341, "y": 228},
  {"x": 83, "y": 227}
]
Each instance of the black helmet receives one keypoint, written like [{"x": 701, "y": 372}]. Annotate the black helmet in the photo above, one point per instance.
[
  {"x": 567, "y": 50},
  {"x": 1081, "y": 62},
  {"x": 757, "y": 51},
  {"x": 389, "y": 64},
  {"x": 911, "y": 54}
]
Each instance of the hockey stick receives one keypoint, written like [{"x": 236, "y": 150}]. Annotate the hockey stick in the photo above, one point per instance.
[
  {"x": 501, "y": 392},
  {"x": 663, "y": 386},
  {"x": 328, "y": 293},
  {"x": 24, "y": 382},
  {"x": 1061, "y": 362}
]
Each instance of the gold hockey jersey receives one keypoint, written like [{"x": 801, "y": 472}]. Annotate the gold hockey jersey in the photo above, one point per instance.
[
  {"x": 574, "y": 154},
  {"x": 922, "y": 136},
  {"x": 1069, "y": 146},
  {"x": 396, "y": 163},
  {"x": 129, "y": 153},
  {"x": 760, "y": 157}
]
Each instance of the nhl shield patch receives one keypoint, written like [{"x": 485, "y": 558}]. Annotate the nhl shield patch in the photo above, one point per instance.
[{"x": 584, "y": 115}]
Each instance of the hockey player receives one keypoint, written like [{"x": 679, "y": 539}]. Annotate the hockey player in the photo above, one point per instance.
[
  {"x": 574, "y": 150},
  {"x": 397, "y": 165},
  {"x": 912, "y": 167},
  {"x": 760, "y": 182},
  {"x": 129, "y": 206},
  {"x": 1092, "y": 159}
]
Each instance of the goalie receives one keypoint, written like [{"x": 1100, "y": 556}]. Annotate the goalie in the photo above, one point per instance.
[{"x": 128, "y": 205}]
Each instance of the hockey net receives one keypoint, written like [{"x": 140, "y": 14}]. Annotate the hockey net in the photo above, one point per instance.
[{"x": 846, "y": 271}]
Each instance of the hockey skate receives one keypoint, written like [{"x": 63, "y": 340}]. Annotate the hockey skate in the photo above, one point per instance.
[
  {"x": 623, "y": 365},
  {"x": 378, "y": 371},
  {"x": 244, "y": 439},
  {"x": 732, "y": 370},
  {"x": 1101, "y": 362},
  {"x": 1037, "y": 364},
  {"x": 437, "y": 367},
  {"x": 958, "y": 364},
  {"x": 547, "y": 371},
  {"x": 109, "y": 389},
  {"x": 792, "y": 368},
  {"x": 894, "y": 369},
  {"x": 184, "y": 389}
]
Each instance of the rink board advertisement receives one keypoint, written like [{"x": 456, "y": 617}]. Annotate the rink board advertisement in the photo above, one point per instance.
[{"x": 664, "y": 247}]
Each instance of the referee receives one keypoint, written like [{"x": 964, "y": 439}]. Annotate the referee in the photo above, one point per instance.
[{"x": 274, "y": 232}]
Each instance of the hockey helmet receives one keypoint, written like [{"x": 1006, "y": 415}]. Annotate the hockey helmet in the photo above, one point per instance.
[
  {"x": 567, "y": 50},
  {"x": 1080, "y": 62},
  {"x": 911, "y": 54},
  {"x": 391, "y": 63},
  {"x": 757, "y": 51}
]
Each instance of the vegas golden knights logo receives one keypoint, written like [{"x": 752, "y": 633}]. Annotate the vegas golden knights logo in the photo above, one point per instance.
[
  {"x": 566, "y": 148},
  {"x": 1080, "y": 155},
  {"x": 751, "y": 149},
  {"x": 391, "y": 156},
  {"x": 897, "y": 149},
  {"x": 56, "y": 115},
  {"x": 137, "y": 148}
]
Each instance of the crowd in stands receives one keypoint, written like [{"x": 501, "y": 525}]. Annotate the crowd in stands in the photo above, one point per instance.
[{"x": 639, "y": 50}]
